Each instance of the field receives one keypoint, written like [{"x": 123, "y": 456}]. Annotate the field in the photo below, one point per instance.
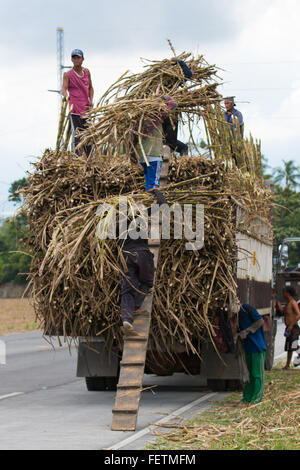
[{"x": 16, "y": 316}]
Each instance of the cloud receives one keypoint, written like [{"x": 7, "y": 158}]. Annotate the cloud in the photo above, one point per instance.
[
  {"x": 244, "y": 36},
  {"x": 101, "y": 26}
]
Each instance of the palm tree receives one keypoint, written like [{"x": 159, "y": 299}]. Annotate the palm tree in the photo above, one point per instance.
[
  {"x": 266, "y": 168},
  {"x": 289, "y": 174}
]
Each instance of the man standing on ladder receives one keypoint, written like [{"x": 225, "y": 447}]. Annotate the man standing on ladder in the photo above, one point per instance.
[
  {"x": 138, "y": 279},
  {"x": 77, "y": 82}
]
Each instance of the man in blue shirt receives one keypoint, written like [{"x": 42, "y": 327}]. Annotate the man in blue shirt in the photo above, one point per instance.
[
  {"x": 252, "y": 333},
  {"x": 231, "y": 114}
]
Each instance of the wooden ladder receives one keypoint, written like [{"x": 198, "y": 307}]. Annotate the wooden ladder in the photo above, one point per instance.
[{"x": 132, "y": 366}]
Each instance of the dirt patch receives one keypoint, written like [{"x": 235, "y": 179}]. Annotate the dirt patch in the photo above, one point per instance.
[{"x": 16, "y": 316}]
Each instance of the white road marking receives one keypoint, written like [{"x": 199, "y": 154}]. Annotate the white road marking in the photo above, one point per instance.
[
  {"x": 182, "y": 410},
  {"x": 145, "y": 431},
  {"x": 10, "y": 395}
]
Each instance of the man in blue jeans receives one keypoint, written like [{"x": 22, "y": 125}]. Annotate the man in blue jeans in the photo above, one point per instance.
[
  {"x": 252, "y": 333},
  {"x": 150, "y": 145},
  {"x": 138, "y": 279}
]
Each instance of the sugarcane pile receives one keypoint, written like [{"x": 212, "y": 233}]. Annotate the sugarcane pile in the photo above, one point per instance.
[
  {"x": 228, "y": 145},
  {"x": 134, "y": 100},
  {"x": 75, "y": 277}
]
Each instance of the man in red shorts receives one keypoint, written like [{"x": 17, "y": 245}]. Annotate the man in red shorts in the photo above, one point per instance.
[{"x": 291, "y": 317}]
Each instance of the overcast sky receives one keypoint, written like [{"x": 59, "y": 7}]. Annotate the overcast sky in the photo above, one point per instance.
[{"x": 256, "y": 42}]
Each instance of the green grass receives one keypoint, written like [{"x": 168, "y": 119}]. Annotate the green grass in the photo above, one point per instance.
[
  {"x": 233, "y": 425},
  {"x": 31, "y": 326}
]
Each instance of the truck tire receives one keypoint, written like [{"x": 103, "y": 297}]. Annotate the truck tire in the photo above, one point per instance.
[
  {"x": 216, "y": 385},
  {"x": 95, "y": 384},
  {"x": 111, "y": 383},
  {"x": 233, "y": 385},
  {"x": 101, "y": 384},
  {"x": 222, "y": 385}
]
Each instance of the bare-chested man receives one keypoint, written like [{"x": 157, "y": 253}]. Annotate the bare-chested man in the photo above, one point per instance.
[{"x": 291, "y": 316}]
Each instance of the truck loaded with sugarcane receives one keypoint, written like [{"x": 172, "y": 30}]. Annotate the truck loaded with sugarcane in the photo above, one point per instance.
[{"x": 75, "y": 275}]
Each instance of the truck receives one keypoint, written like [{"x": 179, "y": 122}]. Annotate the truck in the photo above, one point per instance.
[{"x": 220, "y": 371}]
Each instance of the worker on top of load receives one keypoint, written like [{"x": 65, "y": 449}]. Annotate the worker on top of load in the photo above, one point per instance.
[
  {"x": 291, "y": 317},
  {"x": 151, "y": 145},
  {"x": 138, "y": 280},
  {"x": 78, "y": 83},
  {"x": 231, "y": 115},
  {"x": 170, "y": 129},
  {"x": 252, "y": 333}
]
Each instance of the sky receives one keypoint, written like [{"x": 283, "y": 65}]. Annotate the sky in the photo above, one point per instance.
[{"x": 254, "y": 42}]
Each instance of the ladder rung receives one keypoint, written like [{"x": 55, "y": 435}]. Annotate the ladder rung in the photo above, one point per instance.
[
  {"x": 136, "y": 338},
  {"x": 154, "y": 243},
  {"x": 125, "y": 386},
  {"x": 137, "y": 364},
  {"x": 120, "y": 410}
]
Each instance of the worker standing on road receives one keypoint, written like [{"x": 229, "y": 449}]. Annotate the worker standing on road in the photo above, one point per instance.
[
  {"x": 78, "y": 83},
  {"x": 291, "y": 314},
  {"x": 252, "y": 333},
  {"x": 231, "y": 115},
  {"x": 138, "y": 280}
]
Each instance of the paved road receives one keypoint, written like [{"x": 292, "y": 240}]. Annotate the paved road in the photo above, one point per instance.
[{"x": 44, "y": 406}]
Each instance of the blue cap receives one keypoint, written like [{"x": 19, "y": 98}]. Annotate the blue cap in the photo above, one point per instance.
[{"x": 77, "y": 52}]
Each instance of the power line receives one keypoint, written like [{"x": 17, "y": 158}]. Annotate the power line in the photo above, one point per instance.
[
  {"x": 275, "y": 117},
  {"x": 263, "y": 63},
  {"x": 266, "y": 89}
]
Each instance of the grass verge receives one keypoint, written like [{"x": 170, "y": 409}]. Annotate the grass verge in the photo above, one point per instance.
[
  {"x": 232, "y": 425},
  {"x": 16, "y": 316}
]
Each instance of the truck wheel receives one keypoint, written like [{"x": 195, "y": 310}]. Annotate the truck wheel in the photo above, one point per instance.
[
  {"x": 101, "y": 384},
  {"x": 95, "y": 384},
  {"x": 221, "y": 385},
  {"x": 217, "y": 385},
  {"x": 111, "y": 383},
  {"x": 233, "y": 385}
]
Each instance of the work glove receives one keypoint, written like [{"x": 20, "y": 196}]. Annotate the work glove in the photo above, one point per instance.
[
  {"x": 243, "y": 334},
  {"x": 251, "y": 329}
]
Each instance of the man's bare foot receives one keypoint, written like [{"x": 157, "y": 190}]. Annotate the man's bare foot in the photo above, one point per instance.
[{"x": 286, "y": 368}]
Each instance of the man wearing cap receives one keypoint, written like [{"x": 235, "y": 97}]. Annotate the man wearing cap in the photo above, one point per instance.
[
  {"x": 77, "y": 82},
  {"x": 231, "y": 114}
]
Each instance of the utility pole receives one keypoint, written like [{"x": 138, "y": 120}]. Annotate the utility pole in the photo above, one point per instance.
[
  {"x": 60, "y": 56},
  {"x": 60, "y": 61}
]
